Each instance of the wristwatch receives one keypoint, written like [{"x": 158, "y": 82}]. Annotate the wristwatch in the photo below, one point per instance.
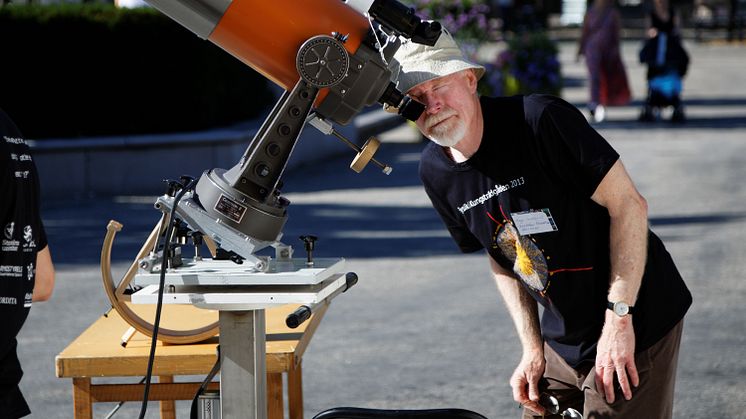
[{"x": 619, "y": 308}]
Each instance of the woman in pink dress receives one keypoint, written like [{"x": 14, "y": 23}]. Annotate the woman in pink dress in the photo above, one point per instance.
[{"x": 599, "y": 43}]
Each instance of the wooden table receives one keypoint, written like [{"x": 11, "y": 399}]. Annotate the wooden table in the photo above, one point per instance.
[{"x": 98, "y": 352}]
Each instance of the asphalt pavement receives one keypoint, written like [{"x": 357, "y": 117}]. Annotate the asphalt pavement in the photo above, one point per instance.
[{"x": 425, "y": 327}]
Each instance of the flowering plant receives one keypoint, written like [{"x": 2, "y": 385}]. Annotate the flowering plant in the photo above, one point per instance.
[
  {"x": 465, "y": 19},
  {"x": 529, "y": 65}
]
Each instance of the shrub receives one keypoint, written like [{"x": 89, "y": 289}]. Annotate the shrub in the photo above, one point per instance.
[
  {"x": 530, "y": 65},
  {"x": 89, "y": 70},
  {"x": 465, "y": 19}
]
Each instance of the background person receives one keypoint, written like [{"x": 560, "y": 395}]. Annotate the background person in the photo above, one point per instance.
[
  {"x": 527, "y": 179},
  {"x": 667, "y": 63},
  {"x": 599, "y": 43},
  {"x": 26, "y": 269}
]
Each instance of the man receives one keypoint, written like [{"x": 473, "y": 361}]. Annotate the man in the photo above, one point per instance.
[
  {"x": 527, "y": 179},
  {"x": 26, "y": 269}
]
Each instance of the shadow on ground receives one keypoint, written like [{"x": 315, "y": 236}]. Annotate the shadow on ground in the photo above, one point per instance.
[
  {"x": 357, "y": 224},
  {"x": 697, "y": 122},
  {"x": 76, "y": 230}
]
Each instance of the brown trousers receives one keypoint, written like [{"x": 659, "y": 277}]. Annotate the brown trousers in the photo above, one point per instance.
[{"x": 653, "y": 398}]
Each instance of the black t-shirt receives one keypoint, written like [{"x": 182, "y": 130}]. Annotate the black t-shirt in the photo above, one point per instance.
[
  {"x": 22, "y": 237},
  {"x": 524, "y": 196}
]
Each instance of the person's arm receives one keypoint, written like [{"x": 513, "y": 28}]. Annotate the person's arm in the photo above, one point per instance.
[
  {"x": 524, "y": 311},
  {"x": 44, "y": 278},
  {"x": 628, "y": 246}
]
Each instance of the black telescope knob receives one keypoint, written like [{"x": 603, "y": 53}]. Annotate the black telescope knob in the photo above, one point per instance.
[
  {"x": 308, "y": 242},
  {"x": 172, "y": 187}
]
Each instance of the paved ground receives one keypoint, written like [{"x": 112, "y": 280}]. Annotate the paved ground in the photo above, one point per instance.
[{"x": 425, "y": 326}]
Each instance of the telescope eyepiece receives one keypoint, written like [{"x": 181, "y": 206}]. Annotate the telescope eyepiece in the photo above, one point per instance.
[
  {"x": 405, "y": 105},
  {"x": 411, "y": 109}
]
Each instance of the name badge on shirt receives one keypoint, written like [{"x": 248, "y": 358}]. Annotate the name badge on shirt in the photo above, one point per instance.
[{"x": 534, "y": 222}]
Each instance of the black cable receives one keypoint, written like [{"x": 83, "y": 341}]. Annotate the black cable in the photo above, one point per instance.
[
  {"x": 193, "y": 413},
  {"x": 161, "y": 285}
]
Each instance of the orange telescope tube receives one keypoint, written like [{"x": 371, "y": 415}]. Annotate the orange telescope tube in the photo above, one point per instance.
[{"x": 266, "y": 34}]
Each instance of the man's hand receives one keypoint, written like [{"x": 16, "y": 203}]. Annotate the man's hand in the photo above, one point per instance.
[
  {"x": 525, "y": 381},
  {"x": 616, "y": 354}
]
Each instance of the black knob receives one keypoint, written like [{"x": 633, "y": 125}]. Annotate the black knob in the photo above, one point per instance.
[
  {"x": 172, "y": 187},
  {"x": 309, "y": 243},
  {"x": 297, "y": 317},
  {"x": 350, "y": 280},
  {"x": 196, "y": 238}
]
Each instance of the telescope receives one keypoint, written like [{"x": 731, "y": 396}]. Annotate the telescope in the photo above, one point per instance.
[{"x": 332, "y": 59}]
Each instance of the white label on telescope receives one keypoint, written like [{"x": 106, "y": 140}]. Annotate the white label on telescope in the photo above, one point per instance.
[{"x": 230, "y": 208}]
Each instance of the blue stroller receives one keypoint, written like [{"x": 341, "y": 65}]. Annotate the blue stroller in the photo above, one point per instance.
[{"x": 667, "y": 62}]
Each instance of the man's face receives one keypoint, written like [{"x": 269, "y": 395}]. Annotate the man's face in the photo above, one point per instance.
[{"x": 450, "y": 102}]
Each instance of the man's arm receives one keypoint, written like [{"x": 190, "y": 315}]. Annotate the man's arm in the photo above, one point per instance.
[
  {"x": 524, "y": 311},
  {"x": 628, "y": 214},
  {"x": 44, "y": 279}
]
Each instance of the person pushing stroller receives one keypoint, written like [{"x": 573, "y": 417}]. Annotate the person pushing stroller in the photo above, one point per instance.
[{"x": 667, "y": 63}]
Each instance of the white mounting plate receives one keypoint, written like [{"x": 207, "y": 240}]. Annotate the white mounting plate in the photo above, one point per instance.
[
  {"x": 225, "y": 272},
  {"x": 246, "y": 297}
]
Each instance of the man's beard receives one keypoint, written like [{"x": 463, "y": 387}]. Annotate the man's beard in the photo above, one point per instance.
[{"x": 448, "y": 133}]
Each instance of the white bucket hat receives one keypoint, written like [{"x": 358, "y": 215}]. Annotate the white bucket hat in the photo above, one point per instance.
[{"x": 415, "y": 63}]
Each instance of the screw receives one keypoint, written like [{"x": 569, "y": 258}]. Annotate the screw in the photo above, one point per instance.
[{"x": 262, "y": 170}]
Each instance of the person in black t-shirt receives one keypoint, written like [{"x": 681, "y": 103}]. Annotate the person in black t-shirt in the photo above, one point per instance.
[
  {"x": 528, "y": 180},
  {"x": 26, "y": 269}
]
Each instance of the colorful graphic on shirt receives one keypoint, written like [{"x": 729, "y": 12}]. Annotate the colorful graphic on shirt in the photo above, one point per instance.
[{"x": 529, "y": 263}]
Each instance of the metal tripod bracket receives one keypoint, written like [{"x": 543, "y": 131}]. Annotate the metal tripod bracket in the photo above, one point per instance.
[{"x": 225, "y": 236}]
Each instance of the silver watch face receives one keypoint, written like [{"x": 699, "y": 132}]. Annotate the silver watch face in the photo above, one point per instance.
[{"x": 621, "y": 308}]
